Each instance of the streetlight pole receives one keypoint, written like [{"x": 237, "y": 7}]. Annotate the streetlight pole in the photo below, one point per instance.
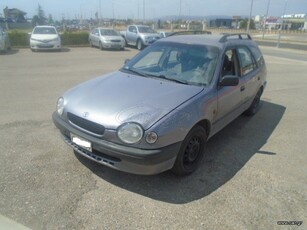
[
  {"x": 282, "y": 24},
  {"x": 143, "y": 11},
  {"x": 250, "y": 16},
  {"x": 264, "y": 21}
]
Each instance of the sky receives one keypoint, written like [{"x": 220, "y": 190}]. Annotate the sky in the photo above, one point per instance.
[{"x": 133, "y": 9}]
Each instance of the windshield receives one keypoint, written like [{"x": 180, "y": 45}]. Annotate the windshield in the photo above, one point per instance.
[
  {"x": 108, "y": 32},
  {"x": 146, "y": 29},
  {"x": 182, "y": 63},
  {"x": 44, "y": 30}
]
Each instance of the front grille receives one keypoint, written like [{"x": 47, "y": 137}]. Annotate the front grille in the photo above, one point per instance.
[
  {"x": 45, "y": 46},
  {"x": 87, "y": 125},
  {"x": 115, "y": 40}
]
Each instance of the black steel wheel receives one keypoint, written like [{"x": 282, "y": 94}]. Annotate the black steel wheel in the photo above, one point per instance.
[
  {"x": 252, "y": 110},
  {"x": 191, "y": 152}
]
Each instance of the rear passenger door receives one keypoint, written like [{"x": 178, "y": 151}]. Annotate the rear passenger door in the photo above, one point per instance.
[{"x": 249, "y": 74}]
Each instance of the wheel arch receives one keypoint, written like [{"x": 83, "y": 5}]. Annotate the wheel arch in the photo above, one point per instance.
[{"x": 205, "y": 123}]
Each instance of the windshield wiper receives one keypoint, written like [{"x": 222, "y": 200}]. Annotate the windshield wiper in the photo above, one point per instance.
[
  {"x": 172, "y": 79},
  {"x": 135, "y": 72}
]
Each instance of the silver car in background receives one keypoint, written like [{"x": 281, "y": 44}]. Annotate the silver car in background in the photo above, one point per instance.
[
  {"x": 106, "y": 38},
  {"x": 45, "y": 38},
  {"x": 160, "y": 109},
  {"x": 4, "y": 41}
]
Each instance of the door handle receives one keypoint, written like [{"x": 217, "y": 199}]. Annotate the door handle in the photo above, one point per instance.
[{"x": 242, "y": 88}]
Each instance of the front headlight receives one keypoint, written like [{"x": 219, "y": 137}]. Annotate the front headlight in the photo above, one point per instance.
[
  {"x": 130, "y": 133},
  {"x": 60, "y": 105}
]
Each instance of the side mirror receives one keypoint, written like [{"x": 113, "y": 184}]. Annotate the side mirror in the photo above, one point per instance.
[
  {"x": 126, "y": 61},
  {"x": 134, "y": 31},
  {"x": 229, "y": 80}
]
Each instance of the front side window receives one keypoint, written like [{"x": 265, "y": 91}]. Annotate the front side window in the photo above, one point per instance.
[
  {"x": 184, "y": 63},
  {"x": 132, "y": 29}
]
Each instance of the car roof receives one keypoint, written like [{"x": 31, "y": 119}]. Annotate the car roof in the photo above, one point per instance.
[
  {"x": 219, "y": 41},
  {"x": 44, "y": 26},
  {"x": 104, "y": 28}
]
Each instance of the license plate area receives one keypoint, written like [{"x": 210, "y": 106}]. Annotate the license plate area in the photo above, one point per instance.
[{"x": 81, "y": 142}]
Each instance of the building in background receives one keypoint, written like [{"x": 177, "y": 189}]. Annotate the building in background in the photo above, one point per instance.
[{"x": 14, "y": 14}]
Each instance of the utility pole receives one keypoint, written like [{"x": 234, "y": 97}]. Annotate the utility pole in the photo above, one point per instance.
[
  {"x": 180, "y": 8},
  {"x": 282, "y": 24},
  {"x": 144, "y": 11},
  {"x": 100, "y": 17},
  {"x": 250, "y": 16},
  {"x": 264, "y": 21}
]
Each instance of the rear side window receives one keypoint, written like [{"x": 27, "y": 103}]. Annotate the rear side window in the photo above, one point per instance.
[
  {"x": 258, "y": 56},
  {"x": 247, "y": 62}
]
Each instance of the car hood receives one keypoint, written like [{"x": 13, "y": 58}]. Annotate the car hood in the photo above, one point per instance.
[
  {"x": 112, "y": 38},
  {"x": 151, "y": 34},
  {"x": 43, "y": 37},
  {"x": 119, "y": 97}
]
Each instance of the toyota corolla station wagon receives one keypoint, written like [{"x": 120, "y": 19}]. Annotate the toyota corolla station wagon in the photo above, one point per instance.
[{"x": 158, "y": 111}]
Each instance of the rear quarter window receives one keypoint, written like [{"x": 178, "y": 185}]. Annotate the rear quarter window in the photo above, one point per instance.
[
  {"x": 257, "y": 55},
  {"x": 247, "y": 62}
]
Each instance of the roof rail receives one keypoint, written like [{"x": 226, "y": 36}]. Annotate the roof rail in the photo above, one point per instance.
[
  {"x": 238, "y": 35},
  {"x": 190, "y": 32}
]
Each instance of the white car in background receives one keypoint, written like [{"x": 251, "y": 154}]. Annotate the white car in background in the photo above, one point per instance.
[
  {"x": 106, "y": 38},
  {"x": 45, "y": 38}
]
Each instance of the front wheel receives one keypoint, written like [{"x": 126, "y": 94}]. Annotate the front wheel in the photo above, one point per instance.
[
  {"x": 100, "y": 46},
  {"x": 191, "y": 152},
  {"x": 139, "y": 44}
]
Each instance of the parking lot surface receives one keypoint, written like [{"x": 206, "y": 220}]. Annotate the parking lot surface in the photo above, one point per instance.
[{"x": 253, "y": 176}]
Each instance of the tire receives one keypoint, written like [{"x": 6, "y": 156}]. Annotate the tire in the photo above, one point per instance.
[
  {"x": 100, "y": 46},
  {"x": 91, "y": 44},
  {"x": 191, "y": 152},
  {"x": 139, "y": 44},
  {"x": 254, "y": 107}
]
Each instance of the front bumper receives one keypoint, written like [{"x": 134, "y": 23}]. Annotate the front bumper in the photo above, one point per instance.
[
  {"x": 113, "y": 45},
  {"x": 122, "y": 158},
  {"x": 52, "y": 45}
]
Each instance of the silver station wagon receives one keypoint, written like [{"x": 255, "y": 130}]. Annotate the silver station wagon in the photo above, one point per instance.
[{"x": 159, "y": 110}]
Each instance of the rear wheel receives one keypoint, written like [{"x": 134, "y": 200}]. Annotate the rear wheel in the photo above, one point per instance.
[
  {"x": 254, "y": 107},
  {"x": 191, "y": 152}
]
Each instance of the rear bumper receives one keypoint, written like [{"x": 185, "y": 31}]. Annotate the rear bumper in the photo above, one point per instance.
[{"x": 120, "y": 157}]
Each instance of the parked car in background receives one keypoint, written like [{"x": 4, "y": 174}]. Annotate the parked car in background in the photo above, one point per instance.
[
  {"x": 140, "y": 36},
  {"x": 159, "y": 110},
  {"x": 106, "y": 38},
  {"x": 45, "y": 38},
  {"x": 4, "y": 41}
]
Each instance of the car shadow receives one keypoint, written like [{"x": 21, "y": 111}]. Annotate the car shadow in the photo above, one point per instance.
[
  {"x": 65, "y": 49},
  {"x": 10, "y": 52},
  {"x": 62, "y": 50},
  {"x": 227, "y": 152}
]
